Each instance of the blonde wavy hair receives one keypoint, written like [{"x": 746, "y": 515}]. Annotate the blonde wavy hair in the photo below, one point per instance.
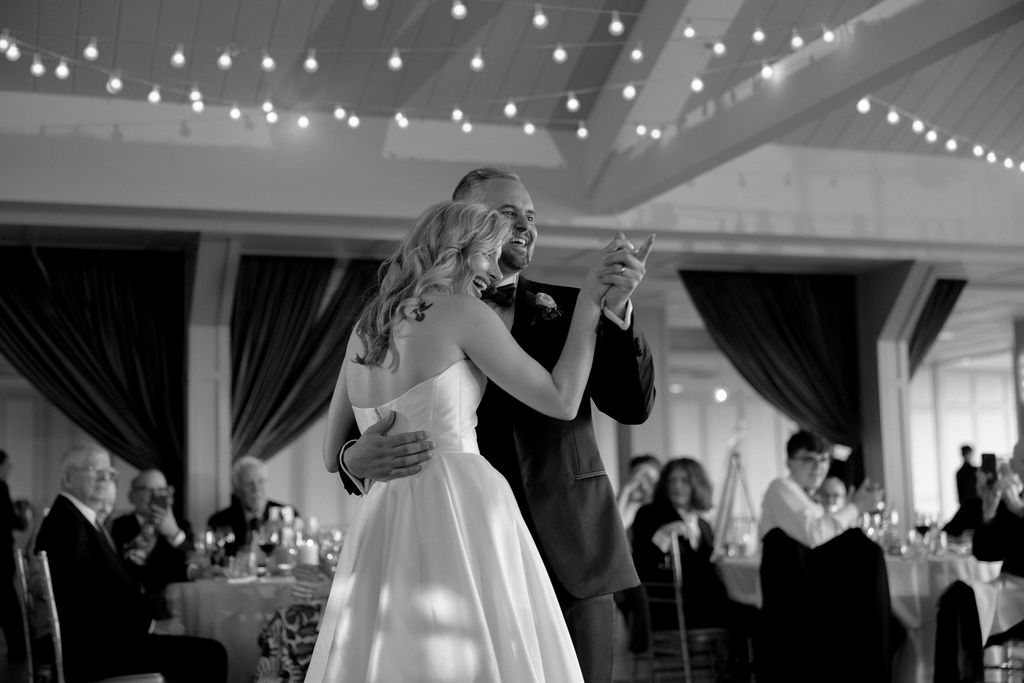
[{"x": 433, "y": 257}]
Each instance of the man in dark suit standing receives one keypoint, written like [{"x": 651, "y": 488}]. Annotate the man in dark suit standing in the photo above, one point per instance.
[
  {"x": 553, "y": 466},
  {"x": 107, "y": 625},
  {"x": 966, "y": 486}
]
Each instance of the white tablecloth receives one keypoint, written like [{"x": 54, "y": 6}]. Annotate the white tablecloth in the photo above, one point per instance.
[
  {"x": 230, "y": 613},
  {"x": 914, "y": 586}
]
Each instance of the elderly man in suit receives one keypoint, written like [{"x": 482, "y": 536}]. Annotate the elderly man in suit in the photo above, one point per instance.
[
  {"x": 250, "y": 507},
  {"x": 553, "y": 466},
  {"x": 107, "y": 624}
]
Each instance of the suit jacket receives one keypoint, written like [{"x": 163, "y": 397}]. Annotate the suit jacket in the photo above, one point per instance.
[
  {"x": 234, "y": 516},
  {"x": 553, "y": 466},
  {"x": 98, "y": 603},
  {"x": 1001, "y": 539},
  {"x": 966, "y": 485},
  {"x": 165, "y": 563}
]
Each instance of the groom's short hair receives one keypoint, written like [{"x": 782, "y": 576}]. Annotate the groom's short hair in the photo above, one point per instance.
[{"x": 470, "y": 181}]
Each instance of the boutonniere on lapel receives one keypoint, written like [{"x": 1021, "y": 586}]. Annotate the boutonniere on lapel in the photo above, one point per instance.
[{"x": 545, "y": 307}]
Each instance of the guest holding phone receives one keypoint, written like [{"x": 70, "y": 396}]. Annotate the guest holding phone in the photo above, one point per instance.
[{"x": 153, "y": 545}]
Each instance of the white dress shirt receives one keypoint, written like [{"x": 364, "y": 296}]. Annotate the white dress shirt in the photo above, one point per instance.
[{"x": 788, "y": 507}]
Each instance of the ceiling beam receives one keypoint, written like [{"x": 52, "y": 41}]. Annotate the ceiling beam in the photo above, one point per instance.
[{"x": 888, "y": 42}]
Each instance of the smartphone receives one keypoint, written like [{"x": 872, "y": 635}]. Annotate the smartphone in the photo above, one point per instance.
[
  {"x": 160, "y": 500},
  {"x": 988, "y": 466}
]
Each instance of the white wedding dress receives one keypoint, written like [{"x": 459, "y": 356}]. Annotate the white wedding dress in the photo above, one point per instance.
[{"x": 439, "y": 580}]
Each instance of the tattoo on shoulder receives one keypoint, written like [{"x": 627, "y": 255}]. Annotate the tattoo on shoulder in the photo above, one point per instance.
[{"x": 420, "y": 311}]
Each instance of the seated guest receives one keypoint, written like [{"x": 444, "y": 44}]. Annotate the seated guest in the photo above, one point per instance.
[
  {"x": 789, "y": 505},
  {"x": 681, "y": 494},
  {"x": 108, "y": 626},
  {"x": 249, "y": 507},
  {"x": 638, "y": 490},
  {"x": 973, "y": 614},
  {"x": 154, "y": 547},
  {"x": 832, "y": 495},
  {"x": 286, "y": 642}
]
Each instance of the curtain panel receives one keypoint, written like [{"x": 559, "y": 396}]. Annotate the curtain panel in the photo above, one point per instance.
[
  {"x": 937, "y": 308},
  {"x": 793, "y": 338},
  {"x": 101, "y": 334},
  {"x": 289, "y": 328}
]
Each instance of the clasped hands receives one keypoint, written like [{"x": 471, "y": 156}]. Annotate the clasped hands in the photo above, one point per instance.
[{"x": 620, "y": 268}]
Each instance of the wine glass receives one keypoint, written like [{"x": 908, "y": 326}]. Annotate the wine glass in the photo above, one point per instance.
[{"x": 268, "y": 536}]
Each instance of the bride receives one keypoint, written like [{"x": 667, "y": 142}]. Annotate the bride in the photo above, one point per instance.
[{"x": 439, "y": 579}]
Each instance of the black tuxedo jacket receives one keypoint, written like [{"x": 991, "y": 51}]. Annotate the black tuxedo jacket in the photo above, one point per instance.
[
  {"x": 234, "y": 516},
  {"x": 99, "y": 605},
  {"x": 553, "y": 466}
]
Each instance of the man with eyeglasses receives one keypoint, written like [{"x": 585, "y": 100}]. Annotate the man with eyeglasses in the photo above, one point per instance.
[
  {"x": 789, "y": 501},
  {"x": 150, "y": 540},
  {"x": 107, "y": 624}
]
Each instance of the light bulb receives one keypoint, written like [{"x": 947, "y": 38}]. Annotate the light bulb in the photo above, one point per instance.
[
  {"x": 951, "y": 145},
  {"x": 353, "y": 121},
  {"x": 5, "y": 40},
  {"x": 467, "y": 127},
  {"x": 370, "y": 5},
  {"x": 931, "y": 136},
  {"x": 13, "y": 52},
  {"x": 178, "y": 57},
  {"x": 540, "y": 20},
  {"x": 615, "y": 26},
  {"x": 796, "y": 41},
  {"x": 91, "y": 51},
  {"x": 758, "y": 35},
  {"x": 917, "y": 126},
  {"x": 978, "y": 150},
  {"x": 636, "y": 55},
  {"x": 688, "y": 30},
  {"x": 267, "y": 62},
  {"x": 198, "y": 106},
  {"x": 154, "y": 95},
  {"x": 456, "y": 114},
  {"x": 62, "y": 70},
  {"x": 458, "y": 10},
  {"x": 559, "y": 54},
  {"x": 641, "y": 129},
  {"x": 581, "y": 131},
  {"x": 893, "y": 117},
  {"x": 718, "y": 48},
  {"x": 235, "y": 113},
  {"x": 303, "y": 121},
  {"x": 225, "y": 60},
  {"x": 863, "y": 105},
  {"x": 990, "y": 157},
  {"x": 697, "y": 84},
  {"x": 827, "y": 34},
  {"x": 311, "y": 65},
  {"x": 1008, "y": 162},
  {"x": 629, "y": 92},
  {"x": 477, "y": 62},
  {"x": 767, "y": 71},
  {"x": 510, "y": 109},
  {"x": 395, "y": 60},
  {"x": 114, "y": 83},
  {"x": 340, "y": 113},
  {"x": 267, "y": 106},
  {"x": 403, "y": 122},
  {"x": 655, "y": 133},
  {"x": 571, "y": 102},
  {"x": 529, "y": 128},
  {"x": 721, "y": 395},
  {"x": 271, "y": 116},
  {"x": 194, "y": 94},
  {"x": 37, "y": 69}
]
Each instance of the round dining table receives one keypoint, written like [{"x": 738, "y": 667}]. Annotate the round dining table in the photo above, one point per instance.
[
  {"x": 232, "y": 612},
  {"x": 915, "y": 584}
]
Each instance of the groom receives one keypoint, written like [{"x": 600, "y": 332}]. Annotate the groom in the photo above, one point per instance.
[{"x": 553, "y": 466}]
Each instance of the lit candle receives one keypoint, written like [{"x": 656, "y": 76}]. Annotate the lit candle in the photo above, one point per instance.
[{"x": 309, "y": 552}]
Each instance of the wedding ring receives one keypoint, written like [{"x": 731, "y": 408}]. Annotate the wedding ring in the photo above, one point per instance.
[{"x": 622, "y": 269}]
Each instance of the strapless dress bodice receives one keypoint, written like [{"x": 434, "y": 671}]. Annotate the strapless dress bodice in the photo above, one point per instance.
[{"x": 443, "y": 405}]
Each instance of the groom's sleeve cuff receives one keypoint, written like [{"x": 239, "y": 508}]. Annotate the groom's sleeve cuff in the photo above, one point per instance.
[
  {"x": 623, "y": 322},
  {"x": 360, "y": 484}
]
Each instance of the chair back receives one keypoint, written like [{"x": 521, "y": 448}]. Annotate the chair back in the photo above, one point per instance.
[
  {"x": 51, "y": 616},
  {"x": 21, "y": 567},
  {"x": 676, "y": 560}
]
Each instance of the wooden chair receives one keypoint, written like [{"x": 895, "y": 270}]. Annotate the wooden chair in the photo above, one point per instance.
[
  {"x": 56, "y": 675},
  {"x": 703, "y": 654}
]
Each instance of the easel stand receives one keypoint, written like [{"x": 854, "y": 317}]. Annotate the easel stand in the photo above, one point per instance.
[{"x": 734, "y": 475}]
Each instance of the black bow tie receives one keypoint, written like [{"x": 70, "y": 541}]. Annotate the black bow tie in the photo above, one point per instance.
[{"x": 502, "y": 296}]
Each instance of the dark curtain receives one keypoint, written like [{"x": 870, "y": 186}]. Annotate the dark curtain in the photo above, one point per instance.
[
  {"x": 289, "y": 330},
  {"x": 793, "y": 338},
  {"x": 101, "y": 334},
  {"x": 941, "y": 301}
]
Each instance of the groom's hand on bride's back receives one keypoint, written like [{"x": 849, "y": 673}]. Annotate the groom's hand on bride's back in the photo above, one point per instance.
[{"x": 381, "y": 456}]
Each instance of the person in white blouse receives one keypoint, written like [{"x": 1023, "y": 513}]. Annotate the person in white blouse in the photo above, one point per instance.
[{"x": 789, "y": 504}]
